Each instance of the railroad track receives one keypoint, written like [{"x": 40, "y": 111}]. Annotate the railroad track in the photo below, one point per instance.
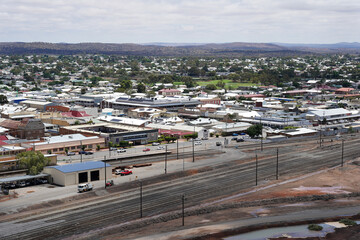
[{"x": 227, "y": 179}]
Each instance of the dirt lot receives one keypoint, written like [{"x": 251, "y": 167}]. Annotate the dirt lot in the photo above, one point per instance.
[{"x": 333, "y": 182}]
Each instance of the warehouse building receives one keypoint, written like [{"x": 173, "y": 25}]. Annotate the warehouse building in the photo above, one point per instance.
[{"x": 72, "y": 174}]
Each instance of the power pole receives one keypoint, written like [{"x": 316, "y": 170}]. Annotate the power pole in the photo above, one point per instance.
[
  {"x": 105, "y": 170},
  {"x": 183, "y": 209},
  {"x": 261, "y": 140},
  {"x": 81, "y": 149},
  {"x": 165, "y": 159},
  {"x": 141, "y": 200},
  {"x": 177, "y": 148},
  {"x": 342, "y": 153},
  {"x": 193, "y": 145},
  {"x": 256, "y": 168},
  {"x": 277, "y": 164}
]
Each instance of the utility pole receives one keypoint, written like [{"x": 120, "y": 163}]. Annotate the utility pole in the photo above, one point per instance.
[
  {"x": 165, "y": 159},
  {"x": 177, "y": 148},
  {"x": 183, "y": 209},
  {"x": 81, "y": 149},
  {"x": 193, "y": 152},
  {"x": 141, "y": 200},
  {"x": 184, "y": 157},
  {"x": 342, "y": 153},
  {"x": 105, "y": 170},
  {"x": 277, "y": 164},
  {"x": 256, "y": 168},
  {"x": 261, "y": 140}
]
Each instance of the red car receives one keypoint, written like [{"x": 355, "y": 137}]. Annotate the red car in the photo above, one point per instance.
[
  {"x": 146, "y": 149},
  {"x": 125, "y": 172}
]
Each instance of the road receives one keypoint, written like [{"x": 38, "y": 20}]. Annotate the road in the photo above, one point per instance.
[{"x": 231, "y": 176}]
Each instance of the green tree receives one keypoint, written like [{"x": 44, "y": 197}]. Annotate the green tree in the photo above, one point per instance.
[
  {"x": 34, "y": 162},
  {"x": 210, "y": 87},
  {"x": 141, "y": 88},
  {"x": 3, "y": 99},
  {"x": 254, "y": 130}
]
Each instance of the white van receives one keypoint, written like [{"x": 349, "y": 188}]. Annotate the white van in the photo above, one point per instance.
[{"x": 84, "y": 187}]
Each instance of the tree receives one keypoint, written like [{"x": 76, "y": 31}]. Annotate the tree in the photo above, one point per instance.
[
  {"x": 83, "y": 91},
  {"x": 3, "y": 99},
  {"x": 34, "y": 162},
  {"x": 210, "y": 87},
  {"x": 141, "y": 88},
  {"x": 254, "y": 130}
]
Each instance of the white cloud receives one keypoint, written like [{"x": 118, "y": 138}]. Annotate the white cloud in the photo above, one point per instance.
[{"x": 179, "y": 21}]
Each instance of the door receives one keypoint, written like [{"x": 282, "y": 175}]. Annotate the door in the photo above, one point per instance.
[
  {"x": 94, "y": 175},
  {"x": 83, "y": 177}
]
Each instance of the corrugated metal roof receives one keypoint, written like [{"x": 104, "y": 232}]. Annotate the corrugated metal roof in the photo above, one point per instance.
[
  {"x": 77, "y": 167},
  {"x": 22, "y": 178}
]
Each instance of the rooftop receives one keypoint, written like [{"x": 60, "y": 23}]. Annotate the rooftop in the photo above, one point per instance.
[{"x": 77, "y": 167}]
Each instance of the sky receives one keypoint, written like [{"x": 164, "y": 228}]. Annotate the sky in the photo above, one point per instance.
[{"x": 180, "y": 21}]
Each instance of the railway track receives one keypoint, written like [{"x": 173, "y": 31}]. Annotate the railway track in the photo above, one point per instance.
[{"x": 227, "y": 179}]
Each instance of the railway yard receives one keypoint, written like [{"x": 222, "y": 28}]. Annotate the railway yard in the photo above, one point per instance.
[{"x": 224, "y": 185}]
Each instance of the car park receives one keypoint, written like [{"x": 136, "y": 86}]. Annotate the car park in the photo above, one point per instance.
[
  {"x": 146, "y": 149},
  {"x": 121, "y": 150}
]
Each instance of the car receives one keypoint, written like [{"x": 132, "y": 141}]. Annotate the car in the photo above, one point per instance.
[
  {"x": 84, "y": 187},
  {"x": 112, "y": 149},
  {"x": 121, "y": 150},
  {"x": 234, "y": 139},
  {"x": 155, "y": 144},
  {"x": 125, "y": 172},
  {"x": 218, "y": 143},
  {"x": 82, "y": 152},
  {"x": 20, "y": 184},
  {"x": 160, "y": 148},
  {"x": 198, "y": 143},
  {"x": 70, "y": 154},
  {"x": 42, "y": 180},
  {"x": 204, "y": 138},
  {"x": 146, "y": 149},
  {"x": 239, "y": 140},
  {"x": 86, "y": 153}
]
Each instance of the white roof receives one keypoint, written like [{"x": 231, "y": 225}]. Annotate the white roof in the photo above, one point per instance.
[
  {"x": 123, "y": 120},
  {"x": 329, "y": 112},
  {"x": 65, "y": 138}
]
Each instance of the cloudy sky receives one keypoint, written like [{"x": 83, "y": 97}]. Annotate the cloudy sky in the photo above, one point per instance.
[{"x": 203, "y": 21}]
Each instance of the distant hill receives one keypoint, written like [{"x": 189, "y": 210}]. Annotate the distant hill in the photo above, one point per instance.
[{"x": 172, "y": 49}]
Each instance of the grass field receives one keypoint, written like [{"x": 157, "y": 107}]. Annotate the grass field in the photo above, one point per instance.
[{"x": 227, "y": 82}]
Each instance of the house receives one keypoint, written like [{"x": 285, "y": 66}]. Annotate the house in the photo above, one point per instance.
[
  {"x": 25, "y": 129},
  {"x": 169, "y": 92},
  {"x": 344, "y": 91}
]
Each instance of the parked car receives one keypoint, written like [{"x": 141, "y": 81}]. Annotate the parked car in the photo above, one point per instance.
[
  {"x": 146, "y": 149},
  {"x": 234, "y": 139},
  {"x": 218, "y": 143},
  {"x": 42, "y": 180},
  {"x": 112, "y": 149},
  {"x": 155, "y": 144},
  {"x": 125, "y": 172},
  {"x": 204, "y": 138},
  {"x": 239, "y": 140},
  {"x": 20, "y": 184},
  {"x": 86, "y": 153},
  {"x": 84, "y": 187},
  {"x": 198, "y": 143},
  {"x": 121, "y": 150},
  {"x": 160, "y": 148},
  {"x": 70, "y": 154}
]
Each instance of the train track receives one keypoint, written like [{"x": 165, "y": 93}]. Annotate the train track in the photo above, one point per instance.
[{"x": 227, "y": 179}]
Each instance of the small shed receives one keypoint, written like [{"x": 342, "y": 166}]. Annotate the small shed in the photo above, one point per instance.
[{"x": 75, "y": 173}]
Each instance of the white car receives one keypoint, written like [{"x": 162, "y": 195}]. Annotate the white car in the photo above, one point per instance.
[
  {"x": 160, "y": 148},
  {"x": 121, "y": 150},
  {"x": 198, "y": 143},
  {"x": 155, "y": 144}
]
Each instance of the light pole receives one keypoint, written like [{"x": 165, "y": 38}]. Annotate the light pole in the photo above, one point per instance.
[
  {"x": 277, "y": 164},
  {"x": 177, "y": 148},
  {"x": 165, "y": 159},
  {"x": 141, "y": 200},
  {"x": 342, "y": 153},
  {"x": 105, "y": 170},
  {"x": 256, "y": 170},
  {"x": 81, "y": 149}
]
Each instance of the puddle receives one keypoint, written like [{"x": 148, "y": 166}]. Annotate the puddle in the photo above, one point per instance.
[
  {"x": 329, "y": 190},
  {"x": 259, "y": 211},
  {"x": 299, "y": 231}
]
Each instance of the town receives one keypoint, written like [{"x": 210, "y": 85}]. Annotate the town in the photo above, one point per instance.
[{"x": 91, "y": 122}]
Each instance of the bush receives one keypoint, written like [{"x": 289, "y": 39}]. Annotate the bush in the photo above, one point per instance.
[
  {"x": 211, "y": 134},
  {"x": 348, "y": 222},
  {"x": 315, "y": 227},
  {"x": 97, "y": 147},
  {"x": 217, "y": 135}
]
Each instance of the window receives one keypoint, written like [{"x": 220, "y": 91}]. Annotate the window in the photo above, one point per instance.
[
  {"x": 78, "y": 147},
  {"x": 90, "y": 146},
  {"x": 72, "y": 148},
  {"x": 61, "y": 149},
  {"x": 55, "y": 150}
]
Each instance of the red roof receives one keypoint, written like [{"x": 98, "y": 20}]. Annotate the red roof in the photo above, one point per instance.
[
  {"x": 169, "y": 90},
  {"x": 3, "y": 137},
  {"x": 253, "y": 95},
  {"x": 345, "y": 89},
  {"x": 3, "y": 143},
  {"x": 75, "y": 114}
]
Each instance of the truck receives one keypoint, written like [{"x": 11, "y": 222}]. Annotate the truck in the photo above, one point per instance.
[{"x": 84, "y": 187}]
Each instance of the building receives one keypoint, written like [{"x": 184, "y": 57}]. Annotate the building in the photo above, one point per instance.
[
  {"x": 71, "y": 174},
  {"x": 71, "y": 142},
  {"x": 25, "y": 129},
  {"x": 169, "y": 92},
  {"x": 115, "y": 132},
  {"x": 40, "y": 105}
]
